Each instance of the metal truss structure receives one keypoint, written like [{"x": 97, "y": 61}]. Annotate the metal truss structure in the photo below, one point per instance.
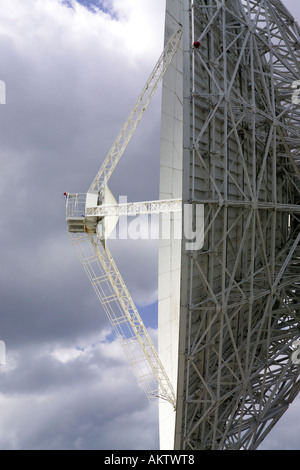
[
  {"x": 240, "y": 294},
  {"x": 123, "y": 315},
  {"x": 77, "y": 209},
  {"x": 92, "y": 216},
  {"x": 136, "y": 114},
  {"x": 137, "y": 208}
]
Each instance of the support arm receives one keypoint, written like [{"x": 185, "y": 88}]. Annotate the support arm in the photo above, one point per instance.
[
  {"x": 123, "y": 315},
  {"x": 134, "y": 118}
]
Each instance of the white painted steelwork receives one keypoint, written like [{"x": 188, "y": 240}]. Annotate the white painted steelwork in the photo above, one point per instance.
[
  {"x": 170, "y": 248},
  {"x": 136, "y": 208},
  {"x": 134, "y": 118},
  {"x": 240, "y": 293},
  {"x": 91, "y": 217},
  {"x": 117, "y": 303}
]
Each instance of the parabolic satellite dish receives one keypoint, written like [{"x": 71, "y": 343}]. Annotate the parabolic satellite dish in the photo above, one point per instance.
[
  {"x": 228, "y": 358},
  {"x": 229, "y": 311}
]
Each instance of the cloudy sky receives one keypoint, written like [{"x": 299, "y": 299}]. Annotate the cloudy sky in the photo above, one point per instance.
[{"x": 72, "y": 74}]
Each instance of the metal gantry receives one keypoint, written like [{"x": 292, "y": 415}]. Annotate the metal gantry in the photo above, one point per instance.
[
  {"x": 92, "y": 216},
  {"x": 136, "y": 114},
  {"x": 162, "y": 206},
  {"x": 123, "y": 315},
  {"x": 240, "y": 294}
]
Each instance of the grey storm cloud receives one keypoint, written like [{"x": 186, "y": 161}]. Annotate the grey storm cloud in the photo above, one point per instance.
[{"x": 72, "y": 75}]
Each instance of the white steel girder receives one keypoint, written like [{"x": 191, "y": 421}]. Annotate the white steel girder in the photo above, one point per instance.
[
  {"x": 136, "y": 114},
  {"x": 123, "y": 315},
  {"x": 136, "y": 208},
  {"x": 95, "y": 255},
  {"x": 240, "y": 294}
]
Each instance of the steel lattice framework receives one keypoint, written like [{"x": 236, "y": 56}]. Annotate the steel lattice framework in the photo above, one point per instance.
[
  {"x": 240, "y": 295},
  {"x": 92, "y": 216}
]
